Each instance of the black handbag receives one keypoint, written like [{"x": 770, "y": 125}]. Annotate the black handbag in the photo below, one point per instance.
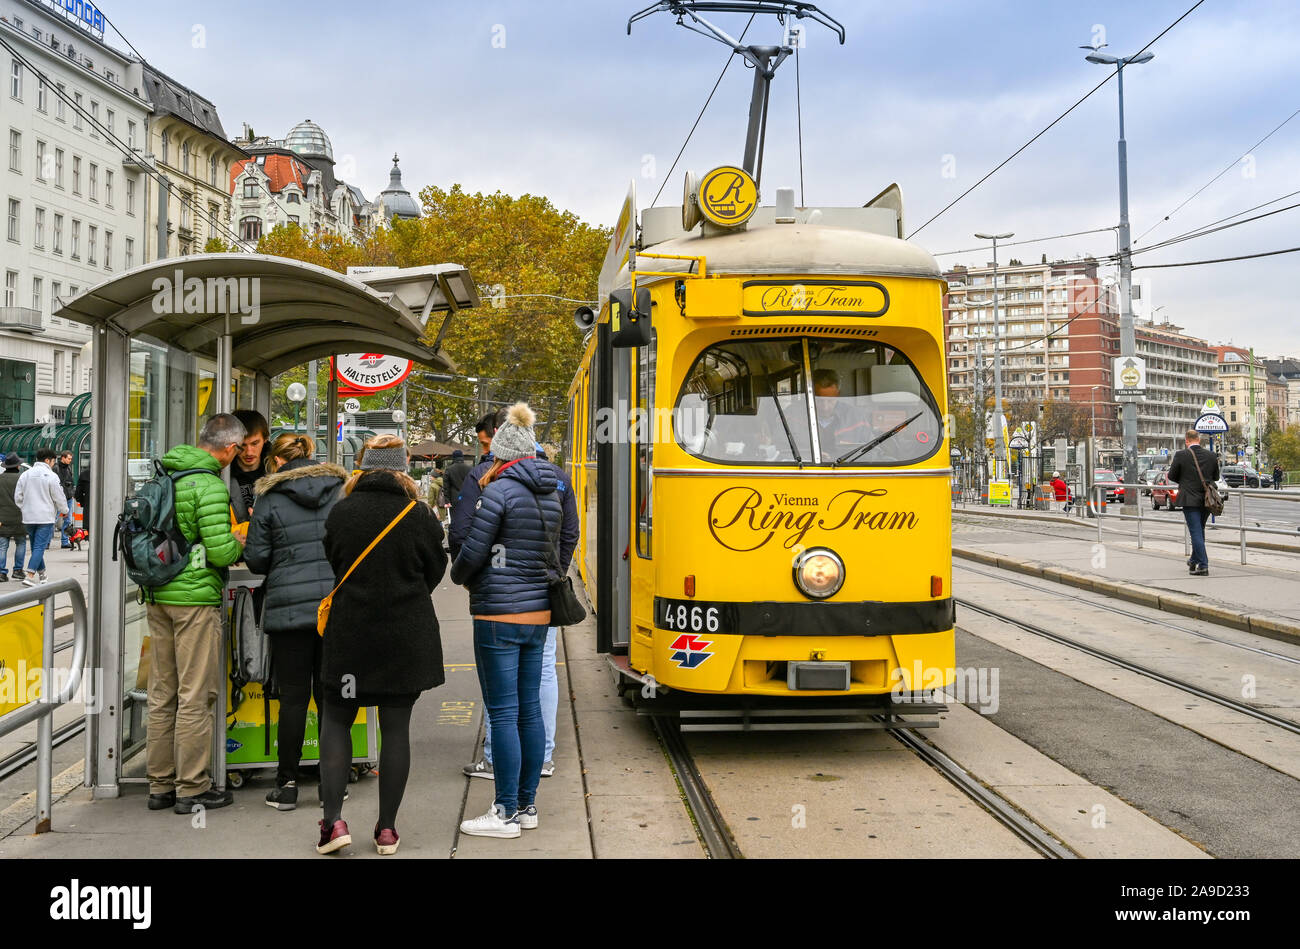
[{"x": 566, "y": 608}]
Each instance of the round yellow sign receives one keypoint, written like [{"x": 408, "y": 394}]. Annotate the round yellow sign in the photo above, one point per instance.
[
  {"x": 728, "y": 196},
  {"x": 1130, "y": 377}
]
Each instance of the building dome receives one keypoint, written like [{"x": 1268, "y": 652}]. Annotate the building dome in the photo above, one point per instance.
[
  {"x": 395, "y": 199},
  {"x": 309, "y": 140}
]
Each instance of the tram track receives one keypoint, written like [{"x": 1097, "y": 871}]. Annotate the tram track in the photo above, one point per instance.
[
  {"x": 705, "y": 813},
  {"x": 1241, "y": 708},
  {"x": 12, "y": 763}
]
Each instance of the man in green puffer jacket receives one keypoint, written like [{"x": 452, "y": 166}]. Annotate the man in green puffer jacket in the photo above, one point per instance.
[{"x": 185, "y": 627}]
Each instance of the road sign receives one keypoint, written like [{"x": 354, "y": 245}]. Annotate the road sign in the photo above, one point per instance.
[
  {"x": 1130, "y": 377},
  {"x": 352, "y": 406},
  {"x": 1019, "y": 443},
  {"x": 1211, "y": 424},
  {"x": 1211, "y": 407}
]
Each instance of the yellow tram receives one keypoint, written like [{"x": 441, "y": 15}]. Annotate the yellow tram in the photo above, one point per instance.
[{"x": 758, "y": 451}]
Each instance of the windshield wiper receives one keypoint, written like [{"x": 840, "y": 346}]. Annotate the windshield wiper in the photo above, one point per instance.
[
  {"x": 863, "y": 449},
  {"x": 784, "y": 424}
]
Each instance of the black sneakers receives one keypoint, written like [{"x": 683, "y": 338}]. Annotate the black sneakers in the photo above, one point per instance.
[
  {"x": 284, "y": 797},
  {"x": 209, "y": 799},
  {"x": 161, "y": 802}
]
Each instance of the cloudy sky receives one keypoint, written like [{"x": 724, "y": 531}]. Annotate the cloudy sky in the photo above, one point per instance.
[{"x": 556, "y": 99}]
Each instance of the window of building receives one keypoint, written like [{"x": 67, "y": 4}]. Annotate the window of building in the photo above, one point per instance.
[
  {"x": 1232, "y": 400},
  {"x": 11, "y": 288},
  {"x": 94, "y": 182},
  {"x": 42, "y": 173},
  {"x": 16, "y": 80},
  {"x": 77, "y": 110},
  {"x": 292, "y": 198},
  {"x": 56, "y": 288},
  {"x": 15, "y": 150},
  {"x": 1234, "y": 416},
  {"x": 56, "y": 244},
  {"x": 186, "y": 199},
  {"x": 40, "y": 229},
  {"x": 76, "y": 240},
  {"x": 76, "y": 174},
  {"x": 129, "y": 260},
  {"x": 38, "y": 294},
  {"x": 15, "y": 219},
  {"x": 250, "y": 228},
  {"x": 293, "y": 219},
  {"x": 94, "y": 119},
  {"x": 108, "y": 187},
  {"x": 109, "y": 121},
  {"x": 91, "y": 233},
  {"x": 212, "y": 169},
  {"x": 108, "y": 249},
  {"x": 130, "y": 134},
  {"x": 42, "y": 96},
  {"x": 185, "y": 158},
  {"x": 130, "y": 196},
  {"x": 166, "y": 147},
  {"x": 58, "y": 168},
  {"x": 58, "y": 103},
  {"x": 250, "y": 187}
]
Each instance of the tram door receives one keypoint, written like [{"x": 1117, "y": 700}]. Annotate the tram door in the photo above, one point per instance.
[{"x": 611, "y": 390}]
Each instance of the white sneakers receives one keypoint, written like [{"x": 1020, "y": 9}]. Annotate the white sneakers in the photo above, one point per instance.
[
  {"x": 493, "y": 824},
  {"x": 527, "y": 817}
]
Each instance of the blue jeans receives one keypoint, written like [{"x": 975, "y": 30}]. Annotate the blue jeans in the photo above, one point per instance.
[
  {"x": 550, "y": 696},
  {"x": 508, "y": 657},
  {"x": 1196, "y": 518},
  {"x": 20, "y": 551},
  {"x": 38, "y": 538},
  {"x": 66, "y": 524}
]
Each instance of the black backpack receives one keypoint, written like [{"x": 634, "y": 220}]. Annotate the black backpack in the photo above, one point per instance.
[{"x": 152, "y": 545}]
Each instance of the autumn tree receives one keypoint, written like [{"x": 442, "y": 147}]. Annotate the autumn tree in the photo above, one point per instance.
[{"x": 1069, "y": 420}]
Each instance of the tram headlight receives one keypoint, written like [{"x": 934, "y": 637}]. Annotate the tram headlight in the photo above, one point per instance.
[{"x": 819, "y": 573}]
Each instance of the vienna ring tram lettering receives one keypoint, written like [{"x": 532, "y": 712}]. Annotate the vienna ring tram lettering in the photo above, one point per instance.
[{"x": 741, "y": 520}]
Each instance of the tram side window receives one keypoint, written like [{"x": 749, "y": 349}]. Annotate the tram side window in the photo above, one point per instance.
[
  {"x": 593, "y": 400},
  {"x": 746, "y": 403},
  {"x": 570, "y": 429},
  {"x": 645, "y": 443}
]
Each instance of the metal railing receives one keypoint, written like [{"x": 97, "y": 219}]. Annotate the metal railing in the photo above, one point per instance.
[
  {"x": 1101, "y": 509},
  {"x": 41, "y": 710}
]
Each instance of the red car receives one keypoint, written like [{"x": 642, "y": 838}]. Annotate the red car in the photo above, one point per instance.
[
  {"x": 1164, "y": 493},
  {"x": 1106, "y": 477}
]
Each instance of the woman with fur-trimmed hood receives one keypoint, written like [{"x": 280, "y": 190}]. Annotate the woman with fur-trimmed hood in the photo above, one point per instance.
[{"x": 286, "y": 543}]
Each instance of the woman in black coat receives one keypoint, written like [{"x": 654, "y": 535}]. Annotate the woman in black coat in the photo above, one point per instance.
[
  {"x": 286, "y": 543},
  {"x": 381, "y": 644}
]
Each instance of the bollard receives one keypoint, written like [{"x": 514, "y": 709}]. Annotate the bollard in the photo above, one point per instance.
[
  {"x": 1241, "y": 518},
  {"x": 1139, "y": 510}
]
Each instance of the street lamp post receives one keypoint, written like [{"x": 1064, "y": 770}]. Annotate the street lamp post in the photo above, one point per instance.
[
  {"x": 1127, "y": 339},
  {"x": 295, "y": 394},
  {"x": 999, "y": 446}
]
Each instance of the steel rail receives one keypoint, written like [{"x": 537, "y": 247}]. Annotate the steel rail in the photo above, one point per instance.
[
  {"x": 709, "y": 821},
  {"x": 1222, "y": 700}
]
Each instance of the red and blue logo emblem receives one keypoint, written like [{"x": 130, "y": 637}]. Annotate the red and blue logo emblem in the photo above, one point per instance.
[{"x": 690, "y": 651}]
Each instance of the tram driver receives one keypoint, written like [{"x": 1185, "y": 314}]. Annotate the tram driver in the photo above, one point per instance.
[{"x": 839, "y": 427}]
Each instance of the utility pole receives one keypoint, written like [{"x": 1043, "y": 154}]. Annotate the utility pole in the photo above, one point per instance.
[
  {"x": 313, "y": 407},
  {"x": 999, "y": 445},
  {"x": 1127, "y": 337}
]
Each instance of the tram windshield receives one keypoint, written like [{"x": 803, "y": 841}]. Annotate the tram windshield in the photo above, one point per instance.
[{"x": 806, "y": 401}]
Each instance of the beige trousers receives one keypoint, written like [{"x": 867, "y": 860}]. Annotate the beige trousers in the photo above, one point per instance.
[{"x": 184, "y": 675}]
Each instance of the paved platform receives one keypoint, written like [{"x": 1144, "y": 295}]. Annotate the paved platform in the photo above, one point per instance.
[
  {"x": 1262, "y": 596},
  {"x": 613, "y": 793}
]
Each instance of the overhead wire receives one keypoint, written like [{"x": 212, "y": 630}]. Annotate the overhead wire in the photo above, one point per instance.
[
  {"x": 1049, "y": 126},
  {"x": 1232, "y": 164},
  {"x": 1033, "y": 240}
]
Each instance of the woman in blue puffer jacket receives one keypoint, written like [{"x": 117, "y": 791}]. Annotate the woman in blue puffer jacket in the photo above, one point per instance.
[{"x": 506, "y": 561}]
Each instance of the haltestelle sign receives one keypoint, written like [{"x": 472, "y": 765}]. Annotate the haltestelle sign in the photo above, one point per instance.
[{"x": 372, "y": 372}]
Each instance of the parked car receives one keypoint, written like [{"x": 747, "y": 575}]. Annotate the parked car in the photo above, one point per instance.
[
  {"x": 1237, "y": 475},
  {"x": 1265, "y": 480},
  {"x": 1104, "y": 476},
  {"x": 1164, "y": 493},
  {"x": 1152, "y": 476}
]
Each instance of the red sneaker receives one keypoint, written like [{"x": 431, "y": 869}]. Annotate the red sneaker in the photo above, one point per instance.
[
  {"x": 333, "y": 838},
  {"x": 386, "y": 841}
]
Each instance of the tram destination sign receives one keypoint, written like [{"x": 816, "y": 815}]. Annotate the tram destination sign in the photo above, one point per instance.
[
  {"x": 370, "y": 372},
  {"x": 814, "y": 298}
]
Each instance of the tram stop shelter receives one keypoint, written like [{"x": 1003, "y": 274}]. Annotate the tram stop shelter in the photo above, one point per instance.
[{"x": 177, "y": 341}]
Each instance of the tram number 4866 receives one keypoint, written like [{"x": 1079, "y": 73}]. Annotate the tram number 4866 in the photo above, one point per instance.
[{"x": 697, "y": 619}]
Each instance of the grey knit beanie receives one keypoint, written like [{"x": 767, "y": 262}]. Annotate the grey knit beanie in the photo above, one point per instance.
[{"x": 515, "y": 438}]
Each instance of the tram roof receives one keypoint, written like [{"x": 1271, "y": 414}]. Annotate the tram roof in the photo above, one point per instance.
[
  {"x": 793, "y": 249},
  {"x": 304, "y": 311}
]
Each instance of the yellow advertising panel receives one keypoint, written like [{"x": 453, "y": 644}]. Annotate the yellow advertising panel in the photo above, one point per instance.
[
  {"x": 20, "y": 657},
  {"x": 1000, "y": 493}
]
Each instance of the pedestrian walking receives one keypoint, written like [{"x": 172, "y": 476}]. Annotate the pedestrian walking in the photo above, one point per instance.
[
  {"x": 381, "y": 640},
  {"x": 286, "y": 544},
  {"x": 185, "y": 668},
  {"x": 503, "y": 561},
  {"x": 1060, "y": 491},
  {"x": 550, "y": 682},
  {"x": 1278, "y": 476},
  {"x": 1192, "y": 469},
  {"x": 67, "y": 523},
  {"x": 11, "y": 520},
  {"x": 39, "y": 494}
]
